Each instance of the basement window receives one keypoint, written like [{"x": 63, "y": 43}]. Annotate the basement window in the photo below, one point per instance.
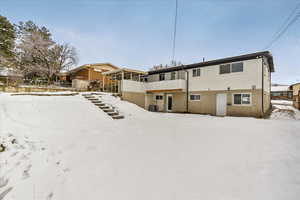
[
  {"x": 195, "y": 97},
  {"x": 196, "y": 72},
  {"x": 241, "y": 99},
  {"x": 159, "y": 97},
  {"x": 225, "y": 69}
]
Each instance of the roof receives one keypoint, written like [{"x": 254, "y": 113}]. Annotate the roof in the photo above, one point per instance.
[
  {"x": 294, "y": 84},
  {"x": 124, "y": 70},
  {"x": 8, "y": 72},
  {"x": 91, "y": 65},
  {"x": 280, "y": 88},
  {"x": 266, "y": 54}
]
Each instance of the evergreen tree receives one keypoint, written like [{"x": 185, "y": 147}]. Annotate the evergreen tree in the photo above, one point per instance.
[{"x": 7, "y": 39}]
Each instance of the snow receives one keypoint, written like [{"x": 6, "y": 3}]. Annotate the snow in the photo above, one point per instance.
[
  {"x": 4, "y": 71},
  {"x": 283, "y": 109},
  {"x": 280, "y": 88},
  {"x": 282, "y": 102},
  {"x": 66, "y": 148}
]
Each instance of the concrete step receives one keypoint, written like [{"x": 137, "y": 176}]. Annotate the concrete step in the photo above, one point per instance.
[
  {"x": 96, "y": 101},
  {"x": 118, "y": 117},
  {"x": 104, "y": 107},
  {"x": 93, "y": 99},
  {"x": 90, "y": 97},
  {"x": 96, "y": 94},
  {"x": 99, "y": 104},
  {"x": 107, "y": 110},
  {"x": 113, "y": 113}
]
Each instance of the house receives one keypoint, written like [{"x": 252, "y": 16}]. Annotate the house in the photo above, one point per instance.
[
  {"x": 296, "y": 95},
  {"x": 281, "y": 92},
  {"x": 128, "y": 83},
  {"x": 234, "y": 86},
  {"x": 9, "y": 76},
  {"x": 83, "y": 75}
]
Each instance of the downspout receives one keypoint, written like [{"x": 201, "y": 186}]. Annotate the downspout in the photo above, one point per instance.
[
  {"x": 187, "y": 89},
  {"x": 262, "y": 93}
]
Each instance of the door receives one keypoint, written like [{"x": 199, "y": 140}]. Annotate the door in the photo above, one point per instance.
[
  {"x": 169, "y": 102},
  {"x": 221, "y": 104}
]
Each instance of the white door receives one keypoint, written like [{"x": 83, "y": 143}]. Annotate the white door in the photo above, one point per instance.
[
  {"x": 221, "y": 104},
  {"x": 169, "y": 102}
]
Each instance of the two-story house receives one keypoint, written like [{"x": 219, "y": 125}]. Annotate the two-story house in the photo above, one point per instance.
[{"x": 234, "y": 86}]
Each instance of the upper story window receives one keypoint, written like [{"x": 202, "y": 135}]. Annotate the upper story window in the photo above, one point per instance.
[
  {"x": 173, "y": 75},
  {"x": 196, "y": 72},
  {"x": 225, "y": 69},
  {"x": 230, "y": 68},
  {"x": 161, "y": 77},
  {"x": 237, "y": 67}
]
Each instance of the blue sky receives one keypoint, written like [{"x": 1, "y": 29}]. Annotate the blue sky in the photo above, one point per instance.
[{"x": 138, "y": 33}]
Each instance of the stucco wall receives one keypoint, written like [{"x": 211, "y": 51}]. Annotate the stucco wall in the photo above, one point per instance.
[
  {"x": 80, "y": 84},
  {"x": 134, "y": 97},
  {"x": 207, "y": 104},
  {"x": 133, "y": 86},
  {"x": 210, "y": 79}
]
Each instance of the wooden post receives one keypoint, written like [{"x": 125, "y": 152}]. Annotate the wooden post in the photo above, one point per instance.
[{"x": 103, "y": 82}]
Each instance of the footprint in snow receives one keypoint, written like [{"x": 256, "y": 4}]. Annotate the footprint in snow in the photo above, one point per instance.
[
  {"x": 14, "y": 154},
  {"x": 26, "y": 172},
  {"x": 49, "y": 197},
  {"x": 5, "y": 192}
]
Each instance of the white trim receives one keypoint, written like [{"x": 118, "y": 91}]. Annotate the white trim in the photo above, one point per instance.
[
  {"x": 158, "y": 95},
  {"x": 221, "y": 106},
  {"x": 241, "y": 99}
]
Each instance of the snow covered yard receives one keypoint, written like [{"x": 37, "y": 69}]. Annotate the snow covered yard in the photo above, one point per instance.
[
  {"x": 284, "y": 110},
  {"x": 66, "y": 148}
]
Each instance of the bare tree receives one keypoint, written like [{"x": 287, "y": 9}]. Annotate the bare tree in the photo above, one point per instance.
[
  {"x": 38, "y": 54},
  {"x": 63, "y": 57}
]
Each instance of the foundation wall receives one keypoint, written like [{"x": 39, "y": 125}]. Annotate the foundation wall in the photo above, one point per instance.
[{"x": 134, "y": 97}]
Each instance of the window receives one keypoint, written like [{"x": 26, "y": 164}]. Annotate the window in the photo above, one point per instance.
[
  {"x": 196, "y": 72},
  {"x": 234, "y": 67},
  {"x": 173, "y": 75},
  {"x": 161, "y": 77},
  {"x": 242, "y": 99},
  {"x": 158, "y": 97},
  {"x": 195, "y": 97},
  {"x": 237, "y": 67},
  {"x": 225, "y": 69}
]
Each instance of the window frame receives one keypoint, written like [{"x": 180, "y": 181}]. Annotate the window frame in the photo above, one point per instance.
[
  {"x": 162, "y": 75},
  {"x": 173, "y": 75},
  {"x": 242, "y": 104},
  {"x": 231, "y": 67},
  {"x": 195, "y": 95},
  {"x": 159, "y": 99},
  {"x": 225, "y": 65},
  {"x": 197, "y": 72}
]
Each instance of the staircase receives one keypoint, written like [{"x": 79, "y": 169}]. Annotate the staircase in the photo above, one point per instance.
[{"x": 108, "y": 109}]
